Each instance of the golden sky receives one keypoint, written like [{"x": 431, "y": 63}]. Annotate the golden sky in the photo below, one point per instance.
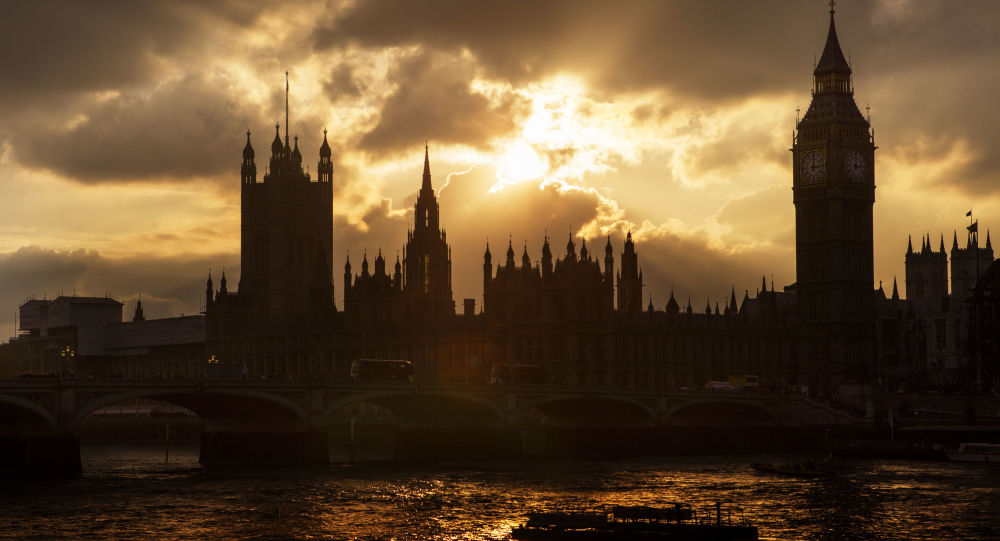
[{"x": 124, "y": 124}]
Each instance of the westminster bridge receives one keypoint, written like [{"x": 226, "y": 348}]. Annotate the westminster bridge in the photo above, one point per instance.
[{"x": 282, "y": 421}]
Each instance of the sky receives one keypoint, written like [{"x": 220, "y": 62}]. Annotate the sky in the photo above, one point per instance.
[{"x": 123, "y": 127}]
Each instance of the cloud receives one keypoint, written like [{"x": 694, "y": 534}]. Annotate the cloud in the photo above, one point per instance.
[
  {"x": 189, "y": 127},
  {"x": 434, "y": 100},
  {"x": 53, "y": 48},
  {"x": 699, "y": 49}
]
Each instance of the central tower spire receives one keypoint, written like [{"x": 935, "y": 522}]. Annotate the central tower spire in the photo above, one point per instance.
[
  {"x": 426, "y": 184},
  {"x": 286, "y": 108}
]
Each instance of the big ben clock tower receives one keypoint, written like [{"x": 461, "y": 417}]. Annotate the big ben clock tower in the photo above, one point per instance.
[{"x": 834, "y": 192}]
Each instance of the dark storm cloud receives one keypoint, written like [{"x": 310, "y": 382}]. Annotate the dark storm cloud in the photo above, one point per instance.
[
  {"x": 705, "y": 49},
  {"x": 174, "y": 285},
  {"x": 67, "y": 46},
  {"x": 433, "y": 101},
  {"x": 342, "y": 83},
  {"x": 182, "y": 128}
]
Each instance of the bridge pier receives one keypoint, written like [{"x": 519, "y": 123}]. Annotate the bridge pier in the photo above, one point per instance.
[
  {"x": 57, "y": 455},
  {"x": 263, "y": 448}
]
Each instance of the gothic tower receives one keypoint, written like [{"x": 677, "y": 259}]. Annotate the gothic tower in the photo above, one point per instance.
[
  {"x": 286, "y": 252},
  {"x": 926, "y": 274},
  {"x": 630, "y": 280},
  {"x": 427, "y": 258},
  {"x": 834, "y": 193},
  {"x": 969, "y": 264}
]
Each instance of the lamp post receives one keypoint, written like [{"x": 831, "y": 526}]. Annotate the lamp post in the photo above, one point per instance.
[{"x": 66, "y": 356}]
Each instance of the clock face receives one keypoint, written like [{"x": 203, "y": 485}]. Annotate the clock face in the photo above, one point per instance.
[
  {"x": 855, "y": 165},
  {"x": 812, "y": 167}
]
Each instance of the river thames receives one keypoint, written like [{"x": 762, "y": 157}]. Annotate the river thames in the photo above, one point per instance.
[{"x": 128, "y": 492}]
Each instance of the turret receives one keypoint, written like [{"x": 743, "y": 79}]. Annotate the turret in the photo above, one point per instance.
[
  {"x": 325, "y": 167},
  {"x": 347, "y": 274},
  {"x": 397, "y": 275},
  {"x": 379, "y": 264},
  {"x": 609, "y": 263},
  {"x": 296, "y": 155},
  {"x": 209, "y": 292},
  {"x": 672, "y": 307},
  {"x": 487, "y": 266},
  {"x": 546, "y": 259},
  {"x": 248, "y": 170},
  {"x": 510, "y": 254},
  {"x": 138, "y": 315},
  {"x": 525, "y": 260},
  {"x": 570, "y": 249},
  {"x": 276, "y": 146}
]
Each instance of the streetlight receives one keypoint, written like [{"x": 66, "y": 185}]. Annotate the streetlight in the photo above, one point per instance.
[{"x": 67, "y": 354}]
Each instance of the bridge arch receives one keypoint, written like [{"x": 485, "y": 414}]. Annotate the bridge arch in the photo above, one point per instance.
[
  {"x": 209, "y": 403},
  {"x": 21, "y": 414},
  {"x": 592, "y": 410},
  {"x": 417, "y": 407},
  {"x": 721, "y": 412}
]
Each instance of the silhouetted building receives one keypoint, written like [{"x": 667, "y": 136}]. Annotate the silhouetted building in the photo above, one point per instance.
[
  {"x": 581, "y": 320},
  {"x": 85, "y": 336},
  {"x": 834, "y": 192},
  {"x": 278, "y": 321},
  {"x": 926, "y": 273},
  {"x": 984, "y": 336},
  {"x": 944, "y": 316}
]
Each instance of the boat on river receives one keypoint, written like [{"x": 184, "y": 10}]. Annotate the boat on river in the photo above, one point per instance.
[
  {"x": 976, "y": 452},
  {"x": 678, "y": 522}
]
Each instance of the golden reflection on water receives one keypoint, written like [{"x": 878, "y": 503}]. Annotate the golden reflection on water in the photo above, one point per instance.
[{"x": 130, "y": 493}]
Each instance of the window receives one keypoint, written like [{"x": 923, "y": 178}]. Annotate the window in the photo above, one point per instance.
[{"x": 427, "y": 274}]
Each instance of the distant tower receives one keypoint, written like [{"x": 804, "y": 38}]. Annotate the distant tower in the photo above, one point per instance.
[
  {"x": 427, "y": 258},
  {"x": 138, "y": 316},
  {"x": 833, "y": 155},
  {"x": 966, "y": 266},
  {"x": 926, "y": 273},
  {"x": 630, "y": 282}
]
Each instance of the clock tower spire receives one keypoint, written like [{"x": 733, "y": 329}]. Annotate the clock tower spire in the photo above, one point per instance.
[{"x": 833, "y": 187}]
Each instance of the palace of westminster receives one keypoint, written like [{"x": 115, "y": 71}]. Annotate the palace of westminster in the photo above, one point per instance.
[{"x": 578, "y": 312}]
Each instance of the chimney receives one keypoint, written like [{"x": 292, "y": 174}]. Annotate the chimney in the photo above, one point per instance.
[{"x": 469, "y": 307}]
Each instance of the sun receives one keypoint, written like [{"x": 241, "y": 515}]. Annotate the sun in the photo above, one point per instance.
[{"x": 547, "y": 144}]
